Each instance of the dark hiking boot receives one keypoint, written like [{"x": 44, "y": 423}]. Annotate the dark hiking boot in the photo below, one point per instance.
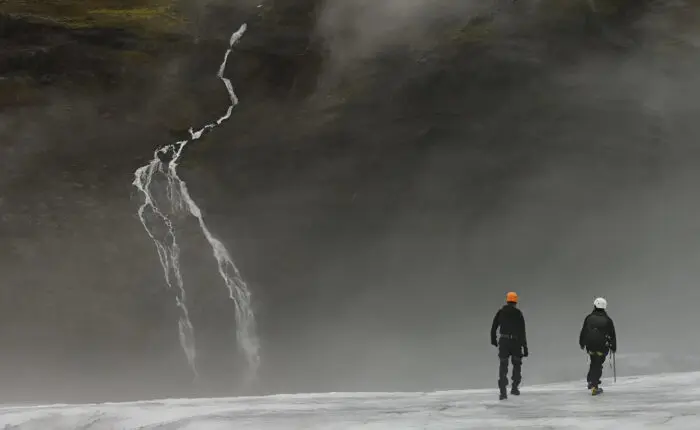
[
  {"x": 515, "y": 391},
  {"x": 503, "y": 396}
]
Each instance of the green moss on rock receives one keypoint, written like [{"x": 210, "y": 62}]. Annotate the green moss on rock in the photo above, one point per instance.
[{"x": 142, "y": 15}]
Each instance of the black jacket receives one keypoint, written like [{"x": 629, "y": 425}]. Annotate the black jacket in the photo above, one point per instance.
[
  {"x": 512, "y": 323},
  {"x": 598, "y": 322}
]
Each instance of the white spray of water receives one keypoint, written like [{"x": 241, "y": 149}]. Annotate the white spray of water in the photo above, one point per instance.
[{"x": 181, "y": 203}]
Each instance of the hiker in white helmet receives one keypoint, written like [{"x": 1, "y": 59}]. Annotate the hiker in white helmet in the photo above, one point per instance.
[{"x": 598, "y": 338}]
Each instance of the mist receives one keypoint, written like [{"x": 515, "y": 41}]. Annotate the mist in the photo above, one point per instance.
[
  {"x": 578, "y": 184},
  {"x": 358, "y": 30},
  {"x": 379, "y": 219}
]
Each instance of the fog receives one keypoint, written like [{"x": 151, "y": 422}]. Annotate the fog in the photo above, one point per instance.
[
  {"x": 578, "y": 185},
  {"x": 360, "y": 29},
  {"x": 380, "y": 235}
]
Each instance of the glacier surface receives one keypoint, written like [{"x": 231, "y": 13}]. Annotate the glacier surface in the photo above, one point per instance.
[{"x": 670, "y": 401}]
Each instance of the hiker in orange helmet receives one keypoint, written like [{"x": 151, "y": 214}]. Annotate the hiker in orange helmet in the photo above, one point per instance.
[{"x": 511, "y": 344}]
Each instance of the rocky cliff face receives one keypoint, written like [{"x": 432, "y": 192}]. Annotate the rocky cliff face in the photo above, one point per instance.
[
  {"x": 96, "y": 45},
  {"x": 387, "y": 170},
  {"x": 85, "y": 47}
]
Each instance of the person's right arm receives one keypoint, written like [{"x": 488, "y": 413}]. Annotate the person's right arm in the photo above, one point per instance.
[
  {"x": 523, "y": 334},
  {"x": 612, "y": 335}
]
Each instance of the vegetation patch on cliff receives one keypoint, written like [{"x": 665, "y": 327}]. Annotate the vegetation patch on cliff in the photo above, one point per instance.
[{"x": 151, "y": 16}]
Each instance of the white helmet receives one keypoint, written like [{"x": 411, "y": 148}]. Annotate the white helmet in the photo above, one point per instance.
[{"x": 600, "y": 303}]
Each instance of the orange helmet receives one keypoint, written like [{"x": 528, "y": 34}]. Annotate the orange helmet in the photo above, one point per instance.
[{"x": 512, "y": 297}]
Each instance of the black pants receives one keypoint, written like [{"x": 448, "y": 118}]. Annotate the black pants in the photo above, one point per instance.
[
  {"x": 595, "y": 370},
  {"x": 509, "y": 349}
]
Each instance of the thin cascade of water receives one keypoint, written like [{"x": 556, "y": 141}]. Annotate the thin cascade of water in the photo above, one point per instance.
[{"x": 157, "y": 218}]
